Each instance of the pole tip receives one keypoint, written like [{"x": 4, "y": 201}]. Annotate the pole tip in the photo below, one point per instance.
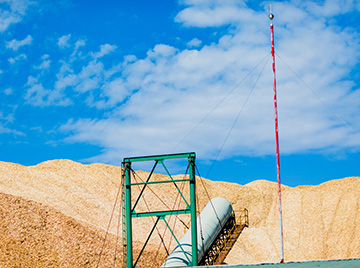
[{"x": 271, "y": 15}]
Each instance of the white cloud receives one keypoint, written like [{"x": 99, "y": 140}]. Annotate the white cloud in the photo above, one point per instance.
[
  {"x": 12, "y": 12},
  {"x": 65, "y": 78},
  {"x": 45, "y": 64},
  {"x": 8, "y": 18},
  {"x": 330, "y": 8},
  {"x": 6, "y": 130},
  {"x": 7, "y": 117},
  {"x": 214, "y": 13},
  {"x": 194, "y": 43},
  {"x": 15, "y": 44},
  {"x": 90, "y": 77},
  {"x": 8, "y": 91},
  {"x": 63, "y": 41},
  {"x": 37, "y": 95},
  {"x": 79, "y": 43},
  {"x": 17, "y": 58},
  {"x": 104, "y": 50},
  {"x": 19, "y": 6},
  {"x": 157, "y": 100}
]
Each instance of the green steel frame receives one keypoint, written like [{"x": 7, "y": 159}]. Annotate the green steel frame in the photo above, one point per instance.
[{"x": 129, "y": 211}]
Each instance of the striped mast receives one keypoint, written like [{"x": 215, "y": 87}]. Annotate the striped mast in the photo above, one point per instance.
[{"x": 271, "y": 17}]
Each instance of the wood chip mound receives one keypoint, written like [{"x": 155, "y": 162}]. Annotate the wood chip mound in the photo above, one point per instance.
[{"x": 56, "y": 214}]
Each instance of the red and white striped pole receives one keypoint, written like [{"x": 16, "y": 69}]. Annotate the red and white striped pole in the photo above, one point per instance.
[{"x": 271, "y": 16}]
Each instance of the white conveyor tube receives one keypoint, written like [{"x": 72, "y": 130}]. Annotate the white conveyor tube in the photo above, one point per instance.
[{"x": 209, "y": 222}]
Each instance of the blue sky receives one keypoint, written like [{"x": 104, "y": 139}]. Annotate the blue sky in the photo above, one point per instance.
[{"x": 97, "y": 82}]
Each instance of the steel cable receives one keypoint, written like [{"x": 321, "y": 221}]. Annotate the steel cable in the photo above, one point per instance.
[
  {"x": 177, "y": 196},
  {"x": 357, "y": 135},
  {"x": 108, "y": 227},
  {"x": 221, "y": 101},
  {"x": 236, "y": 119}
]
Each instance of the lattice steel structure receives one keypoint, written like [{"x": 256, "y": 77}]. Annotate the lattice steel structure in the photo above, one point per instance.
[{"x": 129, "y": 212}]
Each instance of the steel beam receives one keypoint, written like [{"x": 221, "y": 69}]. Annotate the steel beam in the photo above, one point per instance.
[{"x": 158, "y": 157}]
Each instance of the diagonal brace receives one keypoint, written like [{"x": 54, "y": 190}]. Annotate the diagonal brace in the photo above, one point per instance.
[
  {"x": 143, "y": 189},
  {"x": 167, "y": 171},
  {"x": 177, "y": 241},
  {"x": 147, "y": 240}
]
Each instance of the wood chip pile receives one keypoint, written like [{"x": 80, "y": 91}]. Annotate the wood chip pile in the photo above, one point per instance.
[{"x": 56, "y": 214}]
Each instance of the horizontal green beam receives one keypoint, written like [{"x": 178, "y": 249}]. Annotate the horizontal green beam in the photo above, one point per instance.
[
  {"x": 160, "y": 213},
  {"x": 158, "y": 157},
  {"x": 154, "y": 182}
]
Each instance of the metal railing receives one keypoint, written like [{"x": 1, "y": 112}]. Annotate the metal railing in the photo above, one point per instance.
[
  {"x": 243, "y": 218},
  {"x": 242, "y": 221}
]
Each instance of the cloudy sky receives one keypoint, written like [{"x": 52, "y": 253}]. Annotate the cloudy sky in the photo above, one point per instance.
[{"x": 97, "y": 81}]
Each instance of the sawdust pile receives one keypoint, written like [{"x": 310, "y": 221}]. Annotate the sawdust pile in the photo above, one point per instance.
[
  {"x": 56, "y": 214},
  {"x": 35, "y": 235}
]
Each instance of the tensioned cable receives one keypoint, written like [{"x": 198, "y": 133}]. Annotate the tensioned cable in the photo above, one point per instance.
[
  {"x": 147, "y": 206},
  {"x": 117, "y": 235},
  {"x": 207, "y": 193},
  {"x": 323, "y": 102},
  {"x": 177, "y": 217},
  {"x": 215, "y": 107},
  {"x": 136, "y": 175},
  {"x": 221, "y": 101},
  {"x": 108, "y": 227},
  {"x": 236, "y": 119},
  {"x": 266, "y": 58},
  {"x": 179, "y": 203},
  {"x": 155, "y": 194},
  {"x": 174, "y": 205},
  {"x": 171, "y": 237}
]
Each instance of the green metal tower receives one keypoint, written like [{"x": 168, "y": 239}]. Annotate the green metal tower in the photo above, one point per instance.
[{"x": 128, "y": 209}]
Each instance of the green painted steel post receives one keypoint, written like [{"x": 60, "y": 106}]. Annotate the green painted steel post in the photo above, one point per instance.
[
  {"x": 127, "y": 167},
  {"x": 193, "y": 212}
]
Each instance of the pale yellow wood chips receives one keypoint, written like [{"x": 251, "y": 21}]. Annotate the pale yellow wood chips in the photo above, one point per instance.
[{"x": 56, "y": 214}]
